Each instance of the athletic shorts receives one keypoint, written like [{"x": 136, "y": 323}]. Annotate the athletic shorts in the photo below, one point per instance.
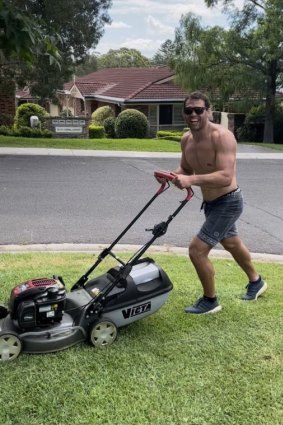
[{"x": 221, "y": 215}]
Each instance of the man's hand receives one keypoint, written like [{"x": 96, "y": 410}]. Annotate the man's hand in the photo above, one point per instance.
[{"x": 182, "y": 181}]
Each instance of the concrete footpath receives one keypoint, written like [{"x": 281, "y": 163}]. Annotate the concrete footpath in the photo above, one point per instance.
[
  {"x": 244, "y": 152},
  {"x": 250, "y": 152}
]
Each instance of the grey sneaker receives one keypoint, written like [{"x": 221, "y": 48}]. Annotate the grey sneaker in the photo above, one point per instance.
[
  {"x": 254, "y": 290},
  {"x": 203, "y": 306}
]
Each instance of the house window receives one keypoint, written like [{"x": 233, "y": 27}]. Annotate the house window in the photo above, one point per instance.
[{"x": 165, "y": 114}]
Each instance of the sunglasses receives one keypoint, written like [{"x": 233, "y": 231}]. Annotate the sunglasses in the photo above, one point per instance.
[{"x": 197, "y": 109}]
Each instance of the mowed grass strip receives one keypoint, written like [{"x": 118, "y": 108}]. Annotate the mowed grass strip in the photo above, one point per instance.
[
  {"x": 170, "y": 368},
  {"x": 142, "y": 145}
]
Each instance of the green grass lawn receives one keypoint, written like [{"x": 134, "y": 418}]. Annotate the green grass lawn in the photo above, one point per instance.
[
  {"x": 143, "y": 145},
  {"x": 170, "y": 368}
]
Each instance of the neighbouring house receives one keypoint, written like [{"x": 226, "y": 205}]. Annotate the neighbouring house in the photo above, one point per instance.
[{"x": 150, "y": 90}]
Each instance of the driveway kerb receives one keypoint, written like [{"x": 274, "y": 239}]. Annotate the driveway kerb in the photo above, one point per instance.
[{"x": 158, "y": 249}]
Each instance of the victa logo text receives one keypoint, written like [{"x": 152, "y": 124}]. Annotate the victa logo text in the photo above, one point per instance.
[{"x": 138, "y": 309}]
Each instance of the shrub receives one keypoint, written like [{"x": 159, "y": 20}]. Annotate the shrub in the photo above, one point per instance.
[
  {"x": 5, "y": 131},
  {"x": 131, "y": 123},
  {"x": 170, "y": 135},
  {"x": 100, "y": 114},
  {"x": 109, "y": 127},
  {"x": 96, "y": 132},
  {"x": 253, "y": 127},
  {"x": 25, "y": 132},
  {"x": 26, "y": 110},
  {"x": 6, "y": 120},
  {"x": 66, "y": 113}
]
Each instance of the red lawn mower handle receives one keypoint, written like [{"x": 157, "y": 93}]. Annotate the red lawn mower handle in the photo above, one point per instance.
[{"x": 169, "y": 176}]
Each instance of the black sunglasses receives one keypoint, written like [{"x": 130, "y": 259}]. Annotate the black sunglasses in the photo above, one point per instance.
[{"x": 198, "y": 110}]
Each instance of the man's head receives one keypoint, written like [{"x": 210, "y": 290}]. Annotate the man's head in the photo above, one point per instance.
[
  {"x": 197, "y": 95},
  {"x": 196, "y": 110}
]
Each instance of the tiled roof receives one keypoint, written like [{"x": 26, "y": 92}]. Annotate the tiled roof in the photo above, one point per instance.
[
  {"x": 162, "y": 91},
  {"x": 129, "y": 84},
  {"x": 87, "y": 88},
  {"x": 25, "y": 94}
]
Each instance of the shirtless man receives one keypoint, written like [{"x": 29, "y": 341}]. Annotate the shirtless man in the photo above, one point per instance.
[{"x": 209, "y": 161}]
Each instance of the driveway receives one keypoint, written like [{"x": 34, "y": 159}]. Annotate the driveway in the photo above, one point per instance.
[{"x": 89, "y": 197}]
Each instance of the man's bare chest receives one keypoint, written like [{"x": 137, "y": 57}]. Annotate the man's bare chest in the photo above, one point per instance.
[{"x": 200, "y": 157}]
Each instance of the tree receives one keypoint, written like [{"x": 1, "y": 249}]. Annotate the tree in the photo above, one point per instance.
[
  {"x": 123, "y": 58},
  {"x": 80, "y": 25},
  {"x": 88, "y": 65},
  {"x": 22, "y": 38},
  {"x": 204, "y": 58},
  {"x": 164, "y": 53},
  {"x": 259, "y": 30}
]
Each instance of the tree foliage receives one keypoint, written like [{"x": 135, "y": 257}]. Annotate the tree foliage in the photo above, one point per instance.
[
  {"x": 23, "y": 38},
  {"x": 79, "y": 23},
  {"x": 246, "y": 59},
  {"x": 164, "y": 53},
  {"x": 87, "y": 66},
  {"x": 123, "y": 58}
]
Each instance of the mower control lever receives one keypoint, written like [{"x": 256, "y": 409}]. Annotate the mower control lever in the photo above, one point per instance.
[{"x": 159, "y": 229}]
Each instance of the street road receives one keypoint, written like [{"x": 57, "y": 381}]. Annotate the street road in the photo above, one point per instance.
[{"x": 57, "y": 199}]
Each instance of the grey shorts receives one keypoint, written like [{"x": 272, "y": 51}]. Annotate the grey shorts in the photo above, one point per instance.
[{"x": 221, "y": 216}]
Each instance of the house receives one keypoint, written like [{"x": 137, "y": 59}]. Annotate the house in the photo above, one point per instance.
[{"x": 150, "y": 90}]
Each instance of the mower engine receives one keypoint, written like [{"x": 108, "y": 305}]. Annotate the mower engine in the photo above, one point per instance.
[{"x": 37, "y": 303}]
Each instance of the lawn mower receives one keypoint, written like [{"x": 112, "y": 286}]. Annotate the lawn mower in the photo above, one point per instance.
[{"x": 41, "y": 316}]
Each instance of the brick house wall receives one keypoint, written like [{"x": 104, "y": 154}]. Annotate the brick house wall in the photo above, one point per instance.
[{"x": 7, "y": 98}]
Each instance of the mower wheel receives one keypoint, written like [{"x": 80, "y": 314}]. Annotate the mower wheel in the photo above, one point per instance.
[
  {"x": 10, "y": 346},
  {"x": 103, "y": 333}
]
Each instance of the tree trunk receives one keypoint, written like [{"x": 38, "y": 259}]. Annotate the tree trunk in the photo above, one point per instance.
[{"x": 268, "y": 136}]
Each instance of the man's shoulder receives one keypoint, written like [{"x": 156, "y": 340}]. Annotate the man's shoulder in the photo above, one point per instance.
[
  {"x": 220, "y": 132},
  {"x": 186, "y": 137}
]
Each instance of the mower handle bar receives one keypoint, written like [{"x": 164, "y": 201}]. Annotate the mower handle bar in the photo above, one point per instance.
[
  {"x": 168, "y": 176},
  {"x": 107, "y": 251}
]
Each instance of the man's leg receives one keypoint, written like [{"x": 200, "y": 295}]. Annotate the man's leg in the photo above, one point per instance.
[
  {"x": 198, "y": 252},
  {"x": 208, "y": 303},
  {"x": 242, "y": 256}
]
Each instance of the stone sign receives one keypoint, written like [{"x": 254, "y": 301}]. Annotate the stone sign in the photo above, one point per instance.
[{"x": 69, "y": 127}]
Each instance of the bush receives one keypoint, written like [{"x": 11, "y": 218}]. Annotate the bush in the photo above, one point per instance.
[
  {"x": 171, "y": 134},
  {"x": 253, "y": 127},
  {"x": 66, "y": 113},
  {"x": 6, "y": 120},
  {"x": 100, "y": 114},
  {"x": 25, "y": 111},
  {"x": 131, "y": 123},
  {"x": 109, "y": 127},
  {"x": 96, "y": 132},
  {"x": 25, "y": 132},
  {"x": 31, "y": 132},
  {"x": 5, "y": 131}
]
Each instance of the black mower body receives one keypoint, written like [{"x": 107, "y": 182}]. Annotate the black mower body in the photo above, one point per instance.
[{"x": 141, "y": 294}]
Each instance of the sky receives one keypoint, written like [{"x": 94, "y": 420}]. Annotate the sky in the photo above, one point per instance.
[{"x": 145, "y": 24}]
